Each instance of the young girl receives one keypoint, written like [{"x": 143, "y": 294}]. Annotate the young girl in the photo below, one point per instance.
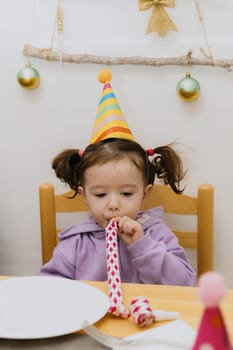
[{"x": 114, "y": 176}]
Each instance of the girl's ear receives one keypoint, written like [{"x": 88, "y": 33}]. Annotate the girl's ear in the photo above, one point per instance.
[
  {"x": 81, "y": 191},
  {"x": 147, "y": 191}
]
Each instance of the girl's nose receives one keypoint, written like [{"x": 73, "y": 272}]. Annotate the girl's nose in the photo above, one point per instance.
[{"x": 113, "y": 203}]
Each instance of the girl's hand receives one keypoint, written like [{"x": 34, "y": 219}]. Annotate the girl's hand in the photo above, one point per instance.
[{"x": 129, "y": 230}]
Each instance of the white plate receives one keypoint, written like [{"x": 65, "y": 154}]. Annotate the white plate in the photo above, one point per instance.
[{"x": 41, "y": 307}]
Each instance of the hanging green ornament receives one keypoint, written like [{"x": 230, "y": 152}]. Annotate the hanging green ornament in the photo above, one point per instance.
[
  {"x": 188, "y": 88},
  {"x": 28, "y": 77}
]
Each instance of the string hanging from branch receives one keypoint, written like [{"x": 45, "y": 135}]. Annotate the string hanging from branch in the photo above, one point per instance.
[
  {"x": 200, "y": 17},
  {"x": 50, "y": 55},
  {"x": 188, "y": 88}
]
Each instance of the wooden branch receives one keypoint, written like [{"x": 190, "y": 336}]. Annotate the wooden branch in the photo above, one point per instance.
[{"x": 50, "y": 55}]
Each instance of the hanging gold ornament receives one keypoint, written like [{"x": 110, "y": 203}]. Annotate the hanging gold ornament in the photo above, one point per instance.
[
  {"x": 159, "y": 22},
  {"x": 28, "y": 77},
  {"x": 188, "y": 88},
  {"x": 60, "y": 17},
  {"x": 60, "y": 28}
]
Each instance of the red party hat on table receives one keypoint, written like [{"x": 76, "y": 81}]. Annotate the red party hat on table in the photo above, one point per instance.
[
  {"x": 212, "y": 333},
  {"x": 110, "y": 121}
]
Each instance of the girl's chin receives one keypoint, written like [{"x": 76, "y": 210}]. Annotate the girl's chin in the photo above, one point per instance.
[{"x": 103, "y": 223}]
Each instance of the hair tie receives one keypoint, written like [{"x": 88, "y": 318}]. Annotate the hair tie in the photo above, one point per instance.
[
  {"x": 80, "y": 152},
  {"x": 150, "y": 152}
]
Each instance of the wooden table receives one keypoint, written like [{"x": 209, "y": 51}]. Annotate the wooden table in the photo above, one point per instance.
[
  {"x": 182, "y": 299},
  {"x": 172, "y": 298}
]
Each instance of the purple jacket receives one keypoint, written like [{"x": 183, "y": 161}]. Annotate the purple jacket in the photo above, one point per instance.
[{"x": 156, "y": 258}]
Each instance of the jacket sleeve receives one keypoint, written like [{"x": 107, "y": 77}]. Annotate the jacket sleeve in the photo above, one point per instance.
[
  {"x": 159, "y": 259},
  {"x": 58, "y": 265}
]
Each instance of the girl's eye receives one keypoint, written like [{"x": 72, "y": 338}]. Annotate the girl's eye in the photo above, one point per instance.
[
  {"x": 100, "y": 195},
  {"x": 127, "y": 194}
]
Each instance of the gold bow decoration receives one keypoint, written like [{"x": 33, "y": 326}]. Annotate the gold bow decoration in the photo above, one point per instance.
[{"x": 159, "y": 22}]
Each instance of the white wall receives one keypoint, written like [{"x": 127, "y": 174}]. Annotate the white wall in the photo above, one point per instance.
[{"x": 37, "y": 124}]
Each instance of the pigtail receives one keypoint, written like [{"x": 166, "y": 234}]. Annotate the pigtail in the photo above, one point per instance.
[
  {"x": 66, "y": 165},
  {"x": 167, "y": 166}
]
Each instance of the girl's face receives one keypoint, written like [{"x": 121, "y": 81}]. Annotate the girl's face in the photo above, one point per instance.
[{"x": 114, "y": 189}]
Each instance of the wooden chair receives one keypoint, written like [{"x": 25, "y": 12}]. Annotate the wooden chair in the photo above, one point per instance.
[{"x": 201, "y": 206}]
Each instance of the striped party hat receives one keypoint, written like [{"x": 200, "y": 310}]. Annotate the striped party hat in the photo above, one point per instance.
[{"x": 110, "y": 121}]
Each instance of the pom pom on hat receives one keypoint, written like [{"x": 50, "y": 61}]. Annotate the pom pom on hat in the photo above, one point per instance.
[
  {"x": 212, "y": 288},
  {"x": 105, "y": 76}
]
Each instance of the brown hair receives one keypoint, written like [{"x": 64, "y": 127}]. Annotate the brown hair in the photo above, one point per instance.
[{"x": 162, "y": 162}]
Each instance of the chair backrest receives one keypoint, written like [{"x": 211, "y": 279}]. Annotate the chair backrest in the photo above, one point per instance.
[{"x": 201, "y": 206}]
